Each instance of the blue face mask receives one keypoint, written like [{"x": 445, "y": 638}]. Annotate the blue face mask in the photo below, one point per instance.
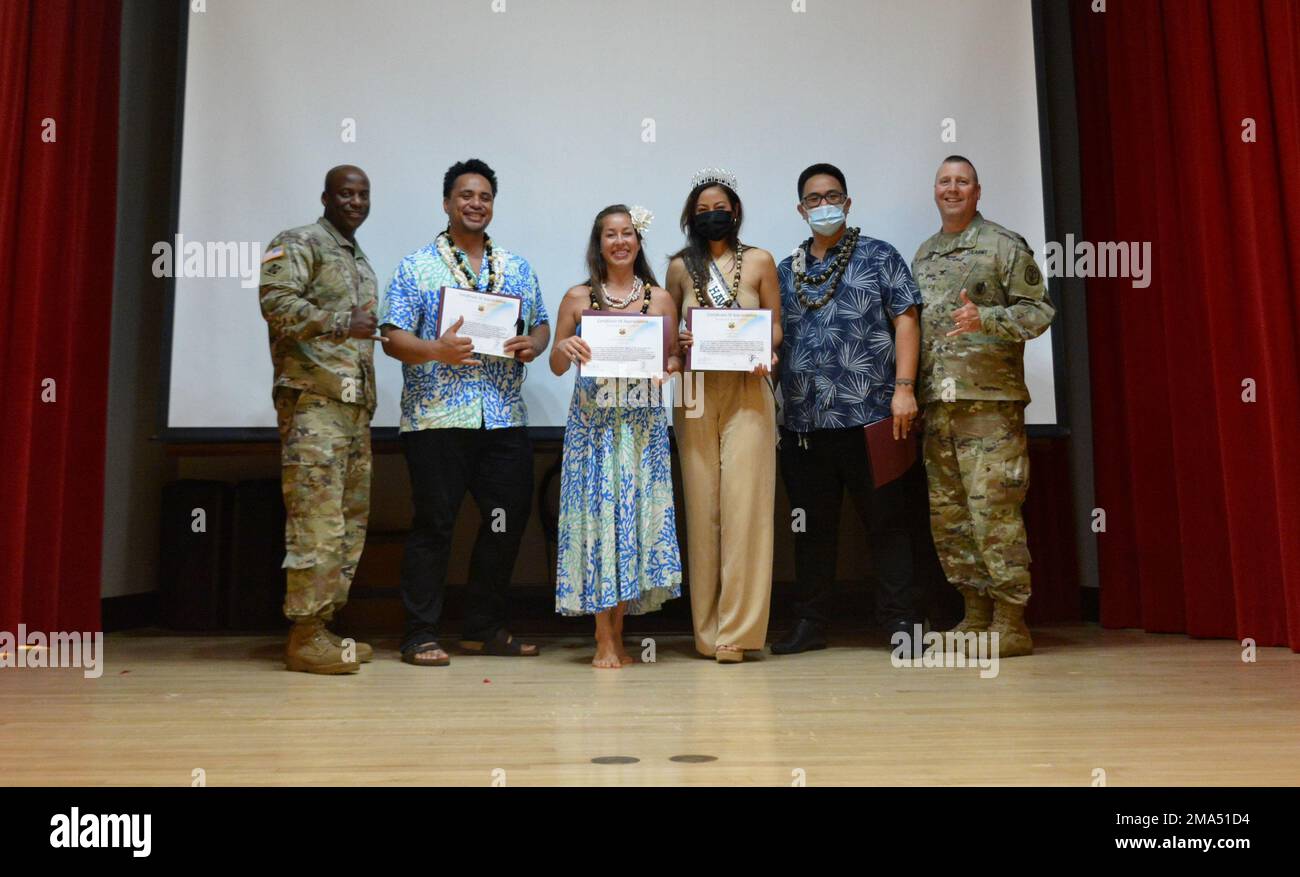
[{"x": 826, "y": 219}]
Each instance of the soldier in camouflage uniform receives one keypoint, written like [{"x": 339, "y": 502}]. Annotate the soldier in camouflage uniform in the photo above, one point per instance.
[
  {"x": 318, "y": 295},
  {"x": 984, "y": 298}
]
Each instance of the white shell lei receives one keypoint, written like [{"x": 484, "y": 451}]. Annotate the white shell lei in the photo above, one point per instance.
[{"x": 498, "y": 266}]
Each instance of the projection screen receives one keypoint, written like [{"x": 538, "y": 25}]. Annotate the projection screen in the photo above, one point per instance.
[{"x": 576, "y": 104}]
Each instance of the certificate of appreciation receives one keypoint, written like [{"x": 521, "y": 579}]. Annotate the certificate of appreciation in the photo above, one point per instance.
[
  {"x": 491, "y": 319},
  {"x": 729, "y": 339},
  {"x": 623, "y": 346}
]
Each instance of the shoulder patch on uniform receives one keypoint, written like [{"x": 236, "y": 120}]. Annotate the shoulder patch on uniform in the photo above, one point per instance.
[
  {"x": 273, "y": 253},
  {"x": 1033, "y": 276}
]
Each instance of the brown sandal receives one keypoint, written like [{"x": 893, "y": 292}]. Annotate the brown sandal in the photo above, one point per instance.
[
  {"x": 502, "y": 645},
  {"x": 729, "y": 655},
  {"x": 412, "y": 655}
]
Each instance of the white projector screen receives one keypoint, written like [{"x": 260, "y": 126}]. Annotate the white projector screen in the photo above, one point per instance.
[{"x": 578, "y": 104}]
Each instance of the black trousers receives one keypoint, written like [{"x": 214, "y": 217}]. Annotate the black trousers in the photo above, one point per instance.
[
  {"x": 496, "y": 466},
  {"x": 817, "y": 470}
]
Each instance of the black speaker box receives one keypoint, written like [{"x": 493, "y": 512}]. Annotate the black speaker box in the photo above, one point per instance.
[
  {"x": 257, "y": 553},
  {"x": 195, "y": 547}
]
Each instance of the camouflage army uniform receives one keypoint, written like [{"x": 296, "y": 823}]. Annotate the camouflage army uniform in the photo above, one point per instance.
[
  {"x": 972, "y": 388},
  {"x": 324, "y": 396}
]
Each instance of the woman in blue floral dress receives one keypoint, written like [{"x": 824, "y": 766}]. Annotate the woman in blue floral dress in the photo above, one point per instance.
[{"x": 618, "y": 550}]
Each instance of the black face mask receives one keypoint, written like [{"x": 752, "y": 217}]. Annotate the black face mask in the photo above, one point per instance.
[{"x": 713, "y": 225}]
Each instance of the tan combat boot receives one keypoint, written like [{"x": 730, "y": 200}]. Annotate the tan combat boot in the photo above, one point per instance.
[
  {"x": 979, "y": 614},
  {"x": 365, "y": 654},
  {"x": 1013, "y": 636},
  {"x": 310, "y": 650},
  {"x": 979, "y": 611}
]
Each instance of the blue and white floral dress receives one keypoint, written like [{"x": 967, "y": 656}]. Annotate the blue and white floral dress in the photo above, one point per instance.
[{"x": 618, "y": 526}]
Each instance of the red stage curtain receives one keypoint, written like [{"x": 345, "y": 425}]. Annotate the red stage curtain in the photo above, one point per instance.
[
  {"x": 57, "y": 219},
  {"x": 1201, "y": 489},
  {"x": 1049, "y": 525}
]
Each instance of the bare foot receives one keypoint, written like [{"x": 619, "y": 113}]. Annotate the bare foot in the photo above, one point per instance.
[
  {"x": 609, "y": 643},
  {"x": 431, "y": 655},
  {"x": 616, "y": 625},
  {"x": 607, "y": 657}
]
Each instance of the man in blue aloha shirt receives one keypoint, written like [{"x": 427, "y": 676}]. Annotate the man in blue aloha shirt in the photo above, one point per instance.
[
  {"x": 850, "y": 312},
  {"x": 464, "y": 424}
]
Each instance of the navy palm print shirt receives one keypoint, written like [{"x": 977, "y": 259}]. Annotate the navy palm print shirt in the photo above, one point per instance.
[{"x": 838, "y": 368}]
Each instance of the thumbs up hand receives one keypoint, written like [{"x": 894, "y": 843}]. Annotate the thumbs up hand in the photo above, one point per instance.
[
  {"x": 966, "y": 317},
  {"x": 455, "y": 349}
]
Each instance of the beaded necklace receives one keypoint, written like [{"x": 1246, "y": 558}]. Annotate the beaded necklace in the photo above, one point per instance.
[
  {"x": 834, "y": 272},
  {"x": 708, "y": 301}
]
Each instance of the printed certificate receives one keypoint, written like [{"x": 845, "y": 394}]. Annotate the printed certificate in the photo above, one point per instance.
[
  {"x": 491, "y": 319},
  {"x": 729, "y": 339},
  {"x": 623, "y": 346}
]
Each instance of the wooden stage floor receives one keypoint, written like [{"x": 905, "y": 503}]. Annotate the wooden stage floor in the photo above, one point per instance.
[{"x": 1147, "y": 709}]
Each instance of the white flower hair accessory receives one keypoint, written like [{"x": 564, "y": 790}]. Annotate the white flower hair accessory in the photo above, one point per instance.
[{"x": 641, "y": 218}]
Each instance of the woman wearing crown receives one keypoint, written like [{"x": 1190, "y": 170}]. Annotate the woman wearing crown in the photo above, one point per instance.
[
  {"x": 617, "y": 551},
  {"x": 727, "y": 441}
]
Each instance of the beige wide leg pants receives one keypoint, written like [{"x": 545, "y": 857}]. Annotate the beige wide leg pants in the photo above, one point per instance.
[{"x": 728, "y": 464}]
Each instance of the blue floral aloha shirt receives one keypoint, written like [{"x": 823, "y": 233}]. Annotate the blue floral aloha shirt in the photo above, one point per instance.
[{"x": 440, "y": 396}]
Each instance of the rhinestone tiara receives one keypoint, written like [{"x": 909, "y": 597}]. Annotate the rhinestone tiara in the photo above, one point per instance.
[{"x": 715, "y": 175}]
